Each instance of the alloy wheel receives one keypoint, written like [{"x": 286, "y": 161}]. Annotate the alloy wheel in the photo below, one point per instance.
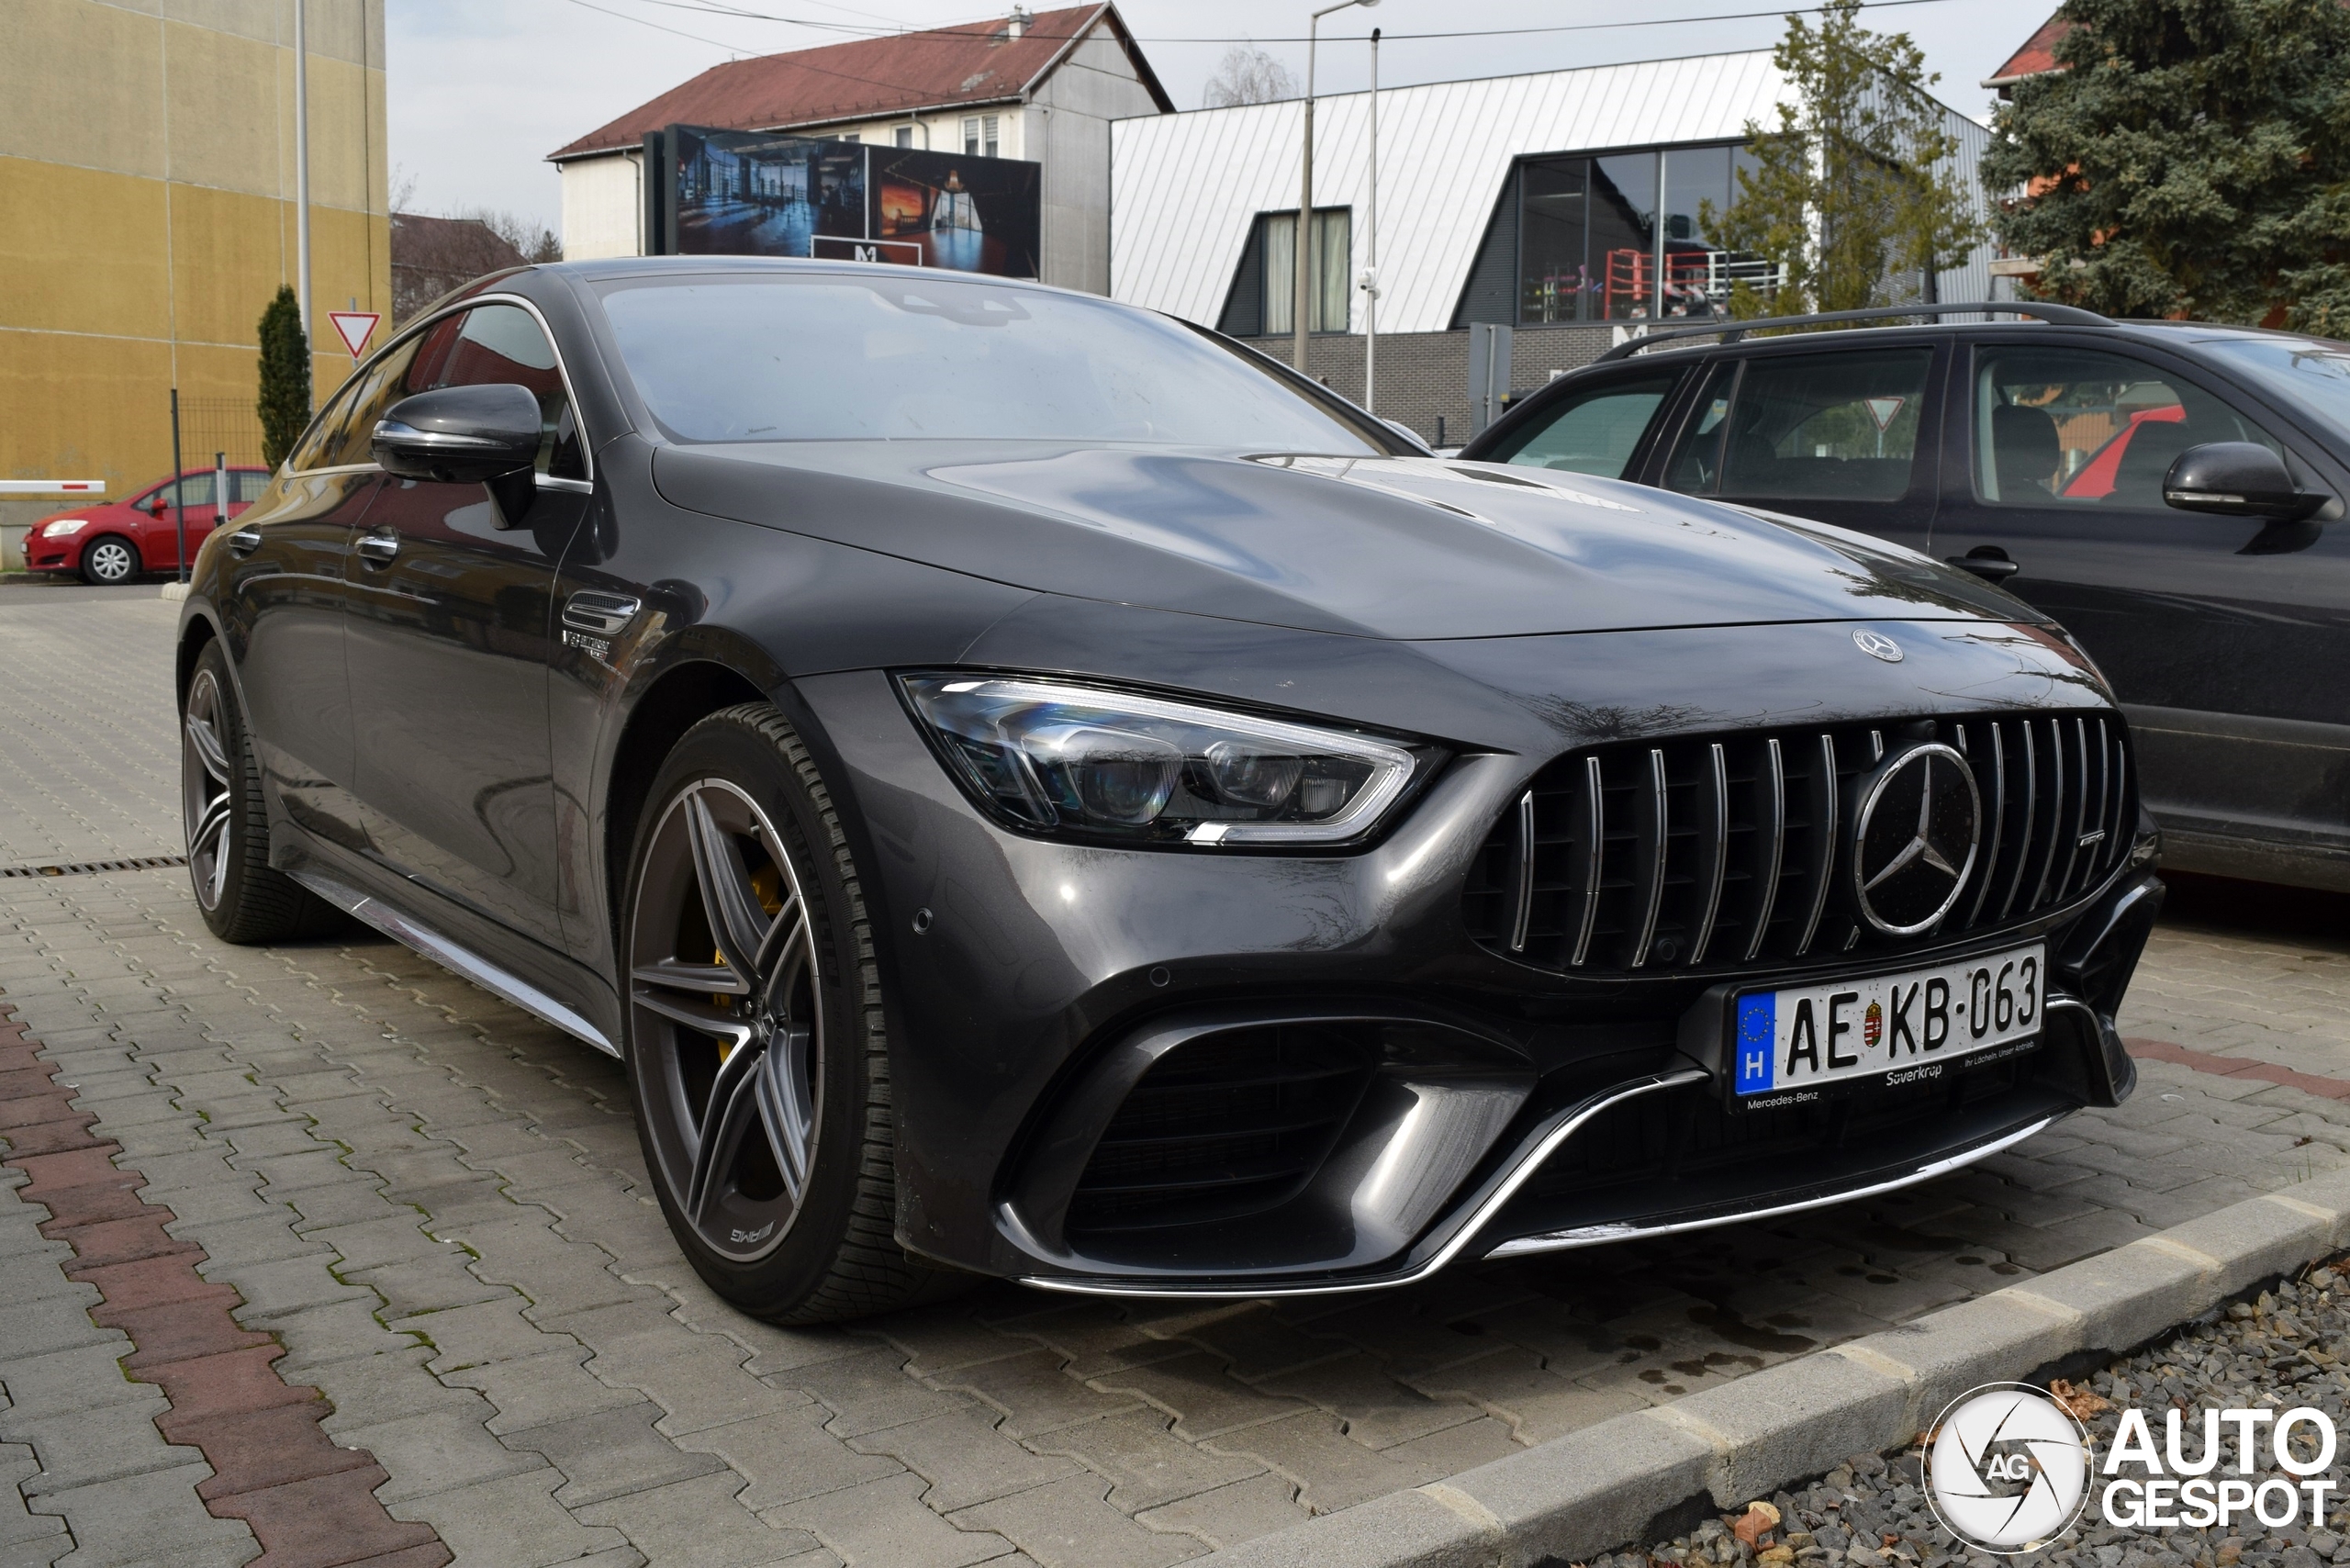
[
  {"x": 205, "y": 799},
  {"x": 111, "y": 562},
  {"x": 725, "y": 999}
]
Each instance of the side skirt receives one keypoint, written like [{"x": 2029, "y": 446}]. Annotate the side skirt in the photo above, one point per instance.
[{"x": 458, "y": 960}]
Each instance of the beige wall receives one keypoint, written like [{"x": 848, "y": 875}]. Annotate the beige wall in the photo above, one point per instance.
[{"x": 147, "y": 180}]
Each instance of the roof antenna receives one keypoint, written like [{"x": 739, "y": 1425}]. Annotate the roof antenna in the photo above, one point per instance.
[{"x": 1020, "y": 20}]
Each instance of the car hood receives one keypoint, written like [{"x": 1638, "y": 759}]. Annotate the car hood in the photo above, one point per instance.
[{"x": 1403, "y": 548}]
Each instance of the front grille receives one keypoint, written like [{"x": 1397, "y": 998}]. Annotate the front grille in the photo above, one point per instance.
[
  {"x": 1731, "y": 854},
  {"x": 1221, "y": 1127}
]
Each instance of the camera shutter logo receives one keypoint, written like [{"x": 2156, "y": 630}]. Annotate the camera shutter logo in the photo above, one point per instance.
[{"x": 2006, "y": 1469}]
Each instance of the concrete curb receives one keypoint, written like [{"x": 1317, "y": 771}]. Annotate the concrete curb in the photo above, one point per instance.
[{"x": 1598, "y": 1489}]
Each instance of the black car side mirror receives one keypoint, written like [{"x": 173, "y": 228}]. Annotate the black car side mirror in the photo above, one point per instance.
[
  {"x": 2237, "y": 478},
  {"x": 460, "y": 435}
]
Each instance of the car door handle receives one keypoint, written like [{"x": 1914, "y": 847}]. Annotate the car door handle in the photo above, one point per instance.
[
  {"x": 1988, "y": 562},
  {"x": 379, "y": 546},
  {"x": 245, "y": 541},
  {"x": 591, "y": 610}
]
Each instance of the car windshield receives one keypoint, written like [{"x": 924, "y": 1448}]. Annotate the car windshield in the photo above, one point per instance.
[
  {"x": 841, "y": 356},
  {"x": 2310, "y": 376}
]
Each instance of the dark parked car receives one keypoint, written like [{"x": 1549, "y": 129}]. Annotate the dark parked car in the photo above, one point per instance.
[
  {"x": 1033, "y": 788},
  {"x": 2168, "y": 491}
]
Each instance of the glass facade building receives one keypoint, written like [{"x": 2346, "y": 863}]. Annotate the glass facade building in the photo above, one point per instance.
[{"x": 1622, "y": 236}]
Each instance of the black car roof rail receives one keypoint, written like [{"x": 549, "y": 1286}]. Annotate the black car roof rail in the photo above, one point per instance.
[{"x": 1731, "y": 331}]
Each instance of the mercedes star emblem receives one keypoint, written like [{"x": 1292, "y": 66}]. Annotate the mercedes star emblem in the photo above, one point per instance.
[
  {"x": 1915, "y": 838},
  {"x": 1876, "y": 644}
]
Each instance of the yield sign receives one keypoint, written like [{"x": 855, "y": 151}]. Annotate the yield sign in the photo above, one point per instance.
[
  {"x": 1881, "y": 409},
  {"x": 356, "y": 327}
]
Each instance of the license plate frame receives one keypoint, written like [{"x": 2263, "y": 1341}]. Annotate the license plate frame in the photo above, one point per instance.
[{"x": 1859, "y": 1032}]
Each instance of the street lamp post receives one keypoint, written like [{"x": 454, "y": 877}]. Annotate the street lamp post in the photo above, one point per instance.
[
  {"x": 1304, "y": 245},
  {"x": 1371, "y": 238}
]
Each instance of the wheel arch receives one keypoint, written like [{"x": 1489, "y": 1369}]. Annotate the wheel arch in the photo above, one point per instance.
[
  {"x": 198, "y": 630},
  {"x": 680, "y": 695}
]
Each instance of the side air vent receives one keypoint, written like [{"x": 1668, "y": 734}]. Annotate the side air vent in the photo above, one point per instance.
[
  {"x": 1222, "y": 1127},
  {"x": 1732, "y": 854}
]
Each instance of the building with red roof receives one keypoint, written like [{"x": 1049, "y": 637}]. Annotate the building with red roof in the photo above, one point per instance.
[
  {"x": 1042, "y": 87},
  {"x": 2037, "y": 57}
]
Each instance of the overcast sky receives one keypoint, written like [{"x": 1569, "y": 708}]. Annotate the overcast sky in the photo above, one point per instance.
[{"x": 483, "y": 90}]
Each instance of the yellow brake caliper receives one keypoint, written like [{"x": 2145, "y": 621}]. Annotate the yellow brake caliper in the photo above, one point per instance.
[{"x": 766, "y": 883}]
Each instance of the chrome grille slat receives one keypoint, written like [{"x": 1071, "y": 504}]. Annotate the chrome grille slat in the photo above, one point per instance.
[
  {"x": 2031, "y": 772},
  {"x": 2041, "y": 889},
  {"x": 1653, "y": 815},
  {"x": 1997, "y": 836},
  {"x": 1713, "y": 844},
  {"x": 2118, "y": 842},
  {"x": 1595, "y": 857},
  {"x": 1773, "y": 785},
  {"x": 1523, "y": 855},
  {"x": 1824, "y": 795},
  {"x": 2080, "y": 804},
  {"x": 1726, "y": 854}
]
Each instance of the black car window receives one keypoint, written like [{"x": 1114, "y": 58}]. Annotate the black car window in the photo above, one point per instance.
[
  {"x": 345, "y": 434},
  {"x": 1593, "y": 430},
  {"x": 1696, "y": 465},
  {"x": 503, "y": 346},
  {"x": 1837, "y": 426},
  {"x": 325, "y": 434},
  {"x": 845, "y": 357},
  {"x": 2080, "y": 428},
  {"x": 2310, "y": 375}
]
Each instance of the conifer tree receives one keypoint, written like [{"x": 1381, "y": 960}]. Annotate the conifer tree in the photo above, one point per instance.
[
  {"x": 285, "y": 402},
  {"x": 2191, "y": 158}
]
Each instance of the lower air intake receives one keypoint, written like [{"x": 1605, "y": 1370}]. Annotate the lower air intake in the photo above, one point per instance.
[{"x": 1224, "y": 1127}]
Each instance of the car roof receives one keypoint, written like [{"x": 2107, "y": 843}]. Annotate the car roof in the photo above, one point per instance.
[
  {"x": 2167, "y": 331},
  {"x": 614, "y": 268}
]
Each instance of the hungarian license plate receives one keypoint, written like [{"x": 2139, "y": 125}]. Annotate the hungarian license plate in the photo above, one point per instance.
[{"x": 1787, "y": 1047}]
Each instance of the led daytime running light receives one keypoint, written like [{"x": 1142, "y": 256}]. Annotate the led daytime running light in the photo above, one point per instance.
[{"x": 1056, "y": 757}]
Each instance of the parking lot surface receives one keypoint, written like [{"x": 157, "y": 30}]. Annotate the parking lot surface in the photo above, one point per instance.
[{"x": 434, "y": 1206}]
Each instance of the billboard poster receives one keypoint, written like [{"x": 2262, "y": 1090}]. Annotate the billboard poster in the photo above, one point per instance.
[
  {"x": 974, "y": 215},
  {"x": 755, "y": 193}
]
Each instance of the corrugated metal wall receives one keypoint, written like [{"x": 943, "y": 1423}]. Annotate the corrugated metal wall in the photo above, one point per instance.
[{"x": 1185, "y": 188}]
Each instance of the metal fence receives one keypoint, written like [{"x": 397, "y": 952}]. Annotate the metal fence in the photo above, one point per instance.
[{"x": 210, "y": 425}]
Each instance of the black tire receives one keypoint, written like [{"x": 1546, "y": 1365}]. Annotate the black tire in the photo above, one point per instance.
[
  {"x": 243, "y": 898},
  {"x": 787, "y": 1208},
  {"x": 108, "y": 560}
]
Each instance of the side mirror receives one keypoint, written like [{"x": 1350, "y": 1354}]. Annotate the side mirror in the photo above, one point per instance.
[
  {"x": 157, "y": 507},
  {"x": 459, "y": 435},
  {"x": 2237, "y": 478}
]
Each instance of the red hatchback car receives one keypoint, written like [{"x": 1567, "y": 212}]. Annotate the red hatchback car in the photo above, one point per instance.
[{"x": 116, "y": 541}]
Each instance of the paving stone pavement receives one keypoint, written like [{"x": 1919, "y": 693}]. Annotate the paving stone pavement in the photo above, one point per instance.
[{"x": 437, "y": 1206}]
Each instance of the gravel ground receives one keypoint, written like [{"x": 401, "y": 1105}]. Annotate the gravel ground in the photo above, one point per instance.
[{"x": 2290, "y": 1346}]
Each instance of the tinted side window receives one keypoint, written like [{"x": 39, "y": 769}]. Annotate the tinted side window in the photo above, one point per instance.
[
  {"x": 2077, "y": 427},
  {"x": 349, "y": 427},
  {"x": 1595, "y": 430},
  {"x": 248, "y": 484},
  {"x": 502, "y": 345},
  {"x": 1696, "y": 466},
  {"x": 1839, "y": 426}
]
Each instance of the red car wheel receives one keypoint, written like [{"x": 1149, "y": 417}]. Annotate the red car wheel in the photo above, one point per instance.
[{"x": 109, "y": 559}]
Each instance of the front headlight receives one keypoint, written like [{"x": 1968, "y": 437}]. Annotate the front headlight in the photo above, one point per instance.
[
  {"x": 72, "y": 525},
  {"x": 1054, "y": 757}
]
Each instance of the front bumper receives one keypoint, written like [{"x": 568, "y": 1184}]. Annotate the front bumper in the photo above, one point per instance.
[{"x": 1491, "y": 1108}]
